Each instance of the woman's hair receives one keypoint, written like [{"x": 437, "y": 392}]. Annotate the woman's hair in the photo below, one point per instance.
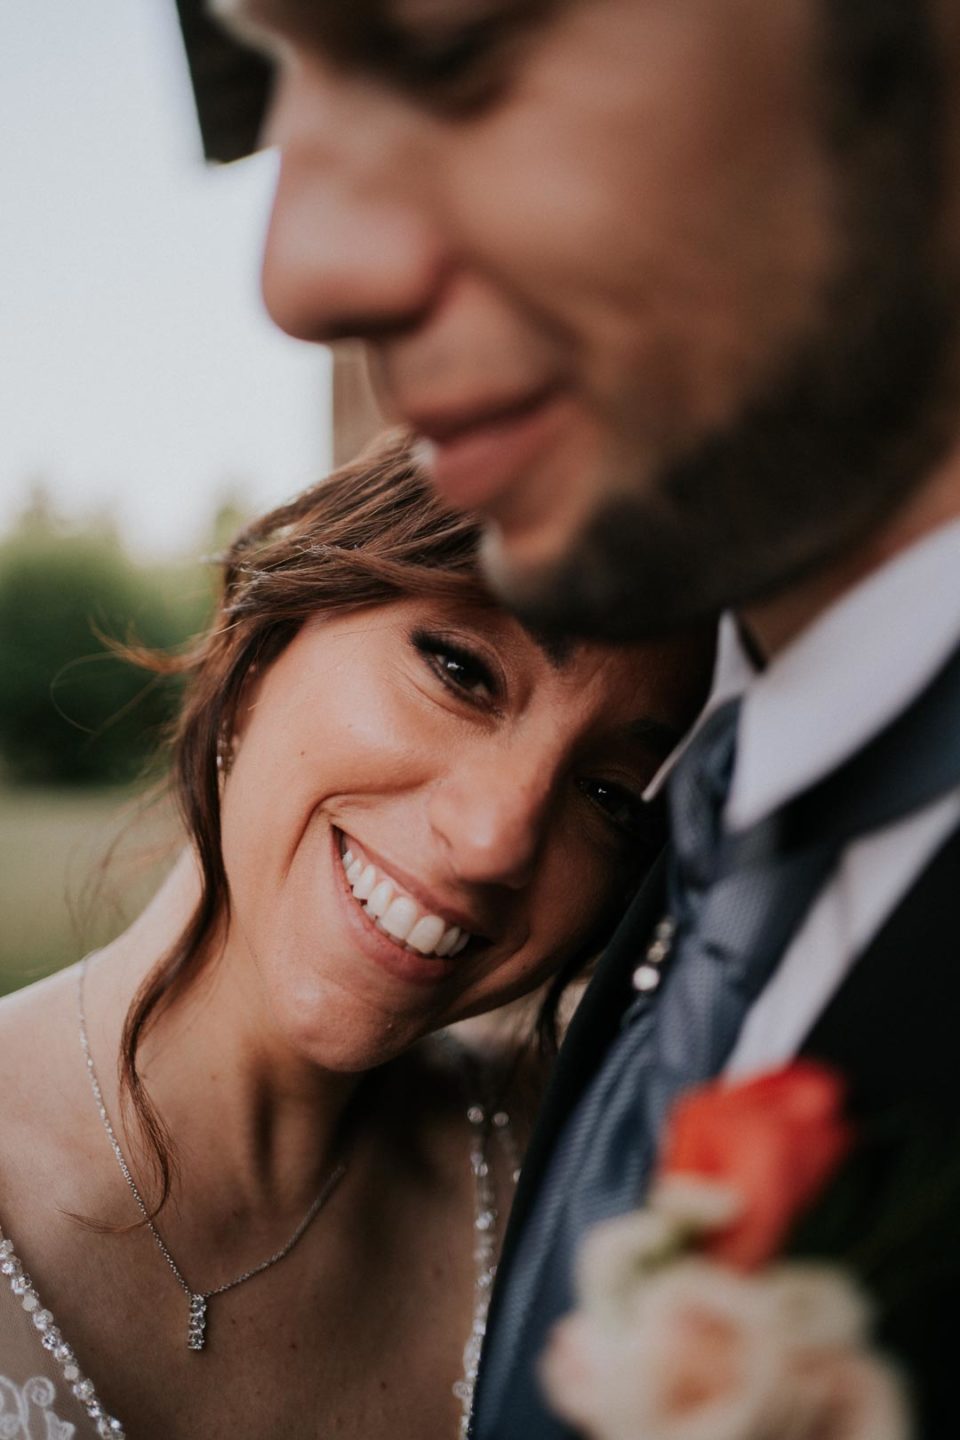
[{"x": 371, "y": 533}]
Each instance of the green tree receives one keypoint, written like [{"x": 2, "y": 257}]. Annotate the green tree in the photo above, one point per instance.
[{"x": 71, "y": 712}]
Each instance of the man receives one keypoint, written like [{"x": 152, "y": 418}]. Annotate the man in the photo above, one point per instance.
[{"x": 669, "y": 289}]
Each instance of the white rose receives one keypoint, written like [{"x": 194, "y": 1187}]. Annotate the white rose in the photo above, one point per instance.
[
  {"x": 844, "y": 1394},
  {"x": 695, "y": 1360},
  {"x": 816, "y": 1305},
  {"x": 703, "y": 1352},
  {"x": 616, "y": 1257},
  {"x": 698, "y": 1204}
]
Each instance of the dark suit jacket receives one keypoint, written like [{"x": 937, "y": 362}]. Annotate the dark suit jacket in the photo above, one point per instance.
[{"x": 893, "y": 1028}]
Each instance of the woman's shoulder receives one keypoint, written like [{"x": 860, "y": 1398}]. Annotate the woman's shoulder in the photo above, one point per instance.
[
  {"x": 34, "y": 1025},
  {"x": 39, "y": 1068}
]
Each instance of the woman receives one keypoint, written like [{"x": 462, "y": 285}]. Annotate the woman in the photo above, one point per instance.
[{"x": 404, "y": 810}]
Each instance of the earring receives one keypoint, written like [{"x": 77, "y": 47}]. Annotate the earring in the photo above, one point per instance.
[{"x": 224, "y": 754}]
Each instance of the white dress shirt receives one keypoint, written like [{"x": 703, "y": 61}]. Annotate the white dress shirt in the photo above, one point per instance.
[{"x": 821, "y": 700}]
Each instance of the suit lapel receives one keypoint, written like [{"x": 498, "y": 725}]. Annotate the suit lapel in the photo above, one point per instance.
[
  {"x": 592, "y": 1031},
  {"x": 891, "y": 1027}
]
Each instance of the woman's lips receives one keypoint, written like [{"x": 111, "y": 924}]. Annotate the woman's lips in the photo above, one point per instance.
[
  {"x": 393, "y": 908},
  {"x": 389, "y": 954},
  {"x": 473, "y": 464}
]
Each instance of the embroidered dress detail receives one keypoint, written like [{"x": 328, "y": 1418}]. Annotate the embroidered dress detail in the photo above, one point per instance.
[
  {"x": 485, "y": 1119},
  {"x": 23, "y": 1406},
  {"x": 39, "y": 1394}
]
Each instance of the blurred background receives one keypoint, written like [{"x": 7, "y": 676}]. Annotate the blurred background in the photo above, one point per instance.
[{"x": 147, "y": 406}]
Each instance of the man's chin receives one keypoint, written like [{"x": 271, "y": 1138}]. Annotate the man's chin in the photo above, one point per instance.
[
  {"x": 632, "y": 574},
  {"x": 581, "y": 590}
]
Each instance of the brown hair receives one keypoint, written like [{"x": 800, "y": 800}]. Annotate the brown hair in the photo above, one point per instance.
[{"x": 370, "y": 533}]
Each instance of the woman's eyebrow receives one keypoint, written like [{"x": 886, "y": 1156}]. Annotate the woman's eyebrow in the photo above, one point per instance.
[{"x": 558, "y": 649}]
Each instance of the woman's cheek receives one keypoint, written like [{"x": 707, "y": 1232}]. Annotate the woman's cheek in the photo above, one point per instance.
[
  {"x": 578, "y": 889},
  {"x": 387, "y": 730}
]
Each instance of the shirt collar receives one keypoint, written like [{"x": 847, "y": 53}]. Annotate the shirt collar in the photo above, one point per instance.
[
  {"x": 846, "y": 676},
  {"x": 839, "y": 683}
]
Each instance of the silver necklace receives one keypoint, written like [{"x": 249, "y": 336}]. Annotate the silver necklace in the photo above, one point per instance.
[
  {"x": 483, "y": 1119},
  {"x": 197, "y": 1300}
]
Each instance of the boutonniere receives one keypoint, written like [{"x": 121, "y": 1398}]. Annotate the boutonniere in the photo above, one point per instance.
[{"x": 691, "y": 1324}]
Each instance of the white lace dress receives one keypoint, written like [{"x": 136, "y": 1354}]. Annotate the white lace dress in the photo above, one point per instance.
[{"x": 45, "y": 1394}]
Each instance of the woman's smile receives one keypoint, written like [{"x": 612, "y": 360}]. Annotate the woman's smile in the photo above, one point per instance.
[
  {"x": 474, "y": 797},
  {"x": 392, "y": 952},
  {"x": 393, "y": 909}
]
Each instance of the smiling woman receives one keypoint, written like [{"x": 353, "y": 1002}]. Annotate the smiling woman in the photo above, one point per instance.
[{"x": 404, "y": 809}]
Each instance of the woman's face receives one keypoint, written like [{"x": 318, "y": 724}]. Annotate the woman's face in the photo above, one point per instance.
[{"x": 427, "y": 813}]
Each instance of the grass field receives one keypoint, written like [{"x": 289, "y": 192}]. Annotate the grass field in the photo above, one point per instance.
[{"x": 58, "y": 897}]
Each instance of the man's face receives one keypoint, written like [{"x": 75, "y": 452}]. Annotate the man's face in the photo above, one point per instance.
[{"x": 626, "y": 267}]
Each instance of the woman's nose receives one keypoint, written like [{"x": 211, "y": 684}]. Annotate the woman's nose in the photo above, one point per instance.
[
  {"x": 492, "y": 824},
  {"x": 351, "y": 249}
]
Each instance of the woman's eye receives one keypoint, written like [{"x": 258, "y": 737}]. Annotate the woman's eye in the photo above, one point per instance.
[
  {"x": 626, "y": 810},
  {"x": 459, "y": 668}
]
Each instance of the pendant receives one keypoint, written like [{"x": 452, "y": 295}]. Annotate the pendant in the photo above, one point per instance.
[{"x": 197, "y": 1330}]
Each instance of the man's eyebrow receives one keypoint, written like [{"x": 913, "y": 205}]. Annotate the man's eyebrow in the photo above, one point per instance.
[{"x": 385, "y": 36}]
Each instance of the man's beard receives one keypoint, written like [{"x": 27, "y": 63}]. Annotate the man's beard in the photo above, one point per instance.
[
  {"x": 800, "y": 481},
  {"x": 858, "y": 419}
]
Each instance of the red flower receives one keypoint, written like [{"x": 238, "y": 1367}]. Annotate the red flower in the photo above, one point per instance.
[{"x": 775, "y": 1140}]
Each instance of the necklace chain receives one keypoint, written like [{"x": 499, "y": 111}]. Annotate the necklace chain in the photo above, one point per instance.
[
  {"x": 196, "y": 1330},
  {"x": 483, "y": 1120}
]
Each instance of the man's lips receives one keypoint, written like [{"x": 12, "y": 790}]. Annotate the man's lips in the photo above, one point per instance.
[{"x": 472, "y": 458}]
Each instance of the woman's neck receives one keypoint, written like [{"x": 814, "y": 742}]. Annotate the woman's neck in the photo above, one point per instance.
[{"x": 254, "y": 1127}]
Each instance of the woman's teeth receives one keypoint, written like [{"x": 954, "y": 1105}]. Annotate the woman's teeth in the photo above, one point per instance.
[{"x": 397, "y": 914}]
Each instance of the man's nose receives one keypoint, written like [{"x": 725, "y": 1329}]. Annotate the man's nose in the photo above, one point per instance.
[
  {"x": 492, "y": 823},
  {"x": 351, "y": 249}
]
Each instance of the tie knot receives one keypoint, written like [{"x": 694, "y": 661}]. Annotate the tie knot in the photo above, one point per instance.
[{"x": 698, "y": 791}]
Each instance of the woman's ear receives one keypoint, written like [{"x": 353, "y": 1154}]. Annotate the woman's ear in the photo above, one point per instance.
[{"x": 231, "y": 734}]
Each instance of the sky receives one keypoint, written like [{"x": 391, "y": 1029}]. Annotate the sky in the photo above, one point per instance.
[{"x": 138, "y": 369}]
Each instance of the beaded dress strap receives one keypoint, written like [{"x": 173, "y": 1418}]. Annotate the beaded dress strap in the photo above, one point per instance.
[{"x": 50, "y": 1337}]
